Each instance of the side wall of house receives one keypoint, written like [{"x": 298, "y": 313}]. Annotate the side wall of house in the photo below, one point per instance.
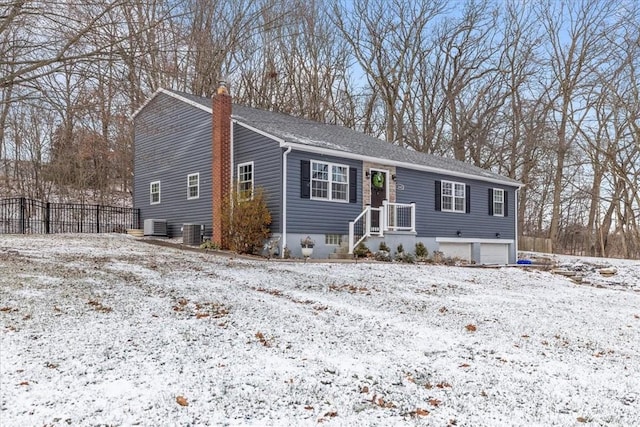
[
  {"x": 420, "y": 187},
  {"x": 307, "y": 216},
  {"x": 173, "y": 140},
  {"x": 266, "y": 155}
]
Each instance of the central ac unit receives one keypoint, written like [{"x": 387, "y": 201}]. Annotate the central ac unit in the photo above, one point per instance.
[
  {"x": 155, "y": 227},
  {"x": 192, "y": 234}
]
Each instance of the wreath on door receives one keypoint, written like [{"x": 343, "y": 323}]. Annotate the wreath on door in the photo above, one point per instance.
[{"x": 377, "y": 180}]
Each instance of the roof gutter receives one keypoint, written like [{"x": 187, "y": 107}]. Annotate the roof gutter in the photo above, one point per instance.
[
  {"x": 336, "y": 153},
  {"x": 413, "y": 166}
]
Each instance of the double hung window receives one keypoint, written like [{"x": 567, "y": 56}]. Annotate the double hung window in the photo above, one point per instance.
[
  {"x": 329, "y": 181},
  {"x": 453, "y": 196},
  {"x": 245, "y": 181},
  {"x": 193, "y": 186},
  {"x": 154, "y": 192}
]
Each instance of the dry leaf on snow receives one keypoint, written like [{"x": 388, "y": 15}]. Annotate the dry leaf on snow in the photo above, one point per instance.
[
  {"x": 419, "y": 412},
  {"x": 435, "y": 402}
]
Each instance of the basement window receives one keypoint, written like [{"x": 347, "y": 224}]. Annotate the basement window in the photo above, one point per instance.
[{"x": 332, "y": 239}]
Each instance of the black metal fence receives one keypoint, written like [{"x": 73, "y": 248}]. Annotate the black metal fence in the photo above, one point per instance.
[{"x": 27, "y": 216}]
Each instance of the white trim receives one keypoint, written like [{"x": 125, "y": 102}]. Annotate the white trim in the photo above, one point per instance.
[
  {"x": 189, "y": 196},
  {"x": 173, "y": 95},
  {"x": 282, "y": 142},
  {"x": 472, "y": 240},
  {"x": 413, "y": 166},
  {"x": 253, "y": 177},
  {"x": 231, "y": 158},
  {"x": 453, "y": 196},
  {"x": 515, "y": 221},
  {"x": 493, "y": 201},
  {"x": 283, "y": 241},
  {"x": 151, "y": 202},
  {"x": 330, "y": 181}
]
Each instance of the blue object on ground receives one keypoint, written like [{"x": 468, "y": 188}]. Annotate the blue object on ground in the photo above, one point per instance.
[{"x": 524, "y": 261}]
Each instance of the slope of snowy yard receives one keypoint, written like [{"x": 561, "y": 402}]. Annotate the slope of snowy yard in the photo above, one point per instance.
[{"x": 110, "y": 330}]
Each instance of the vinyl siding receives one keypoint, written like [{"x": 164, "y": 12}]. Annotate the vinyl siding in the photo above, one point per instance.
[
  {"x": 419, "y": 187},
  {"x": 266, "y": 154},
  {"x": 173, "y": 140},
  {"x": 319, "y": 216}
]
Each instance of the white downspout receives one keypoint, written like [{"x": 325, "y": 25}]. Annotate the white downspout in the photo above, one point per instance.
[
  {"x": 283, "y": 242},
  {"x": 515, "y": 216},
  {"x": 231, "y": 158}
]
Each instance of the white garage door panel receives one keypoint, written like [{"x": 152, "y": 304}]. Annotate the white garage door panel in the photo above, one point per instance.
[
  {"x": 456, "y": 250},
  {"x": 494, "y": 253}
]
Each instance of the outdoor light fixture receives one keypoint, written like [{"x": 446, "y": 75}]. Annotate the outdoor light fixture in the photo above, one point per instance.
[
  {"x": 458, "y": 233},
  {"x": 393, "y": 177},
  {"x": 367, "y": 174},
  {"x": 497, "y": 235}
]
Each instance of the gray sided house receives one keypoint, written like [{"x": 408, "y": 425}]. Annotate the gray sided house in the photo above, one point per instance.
[{"x": 330, "y": 183}]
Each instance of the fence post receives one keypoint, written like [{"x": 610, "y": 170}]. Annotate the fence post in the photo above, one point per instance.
[
  {"x": 135, "y": 218},
  {"x": 23, "y": 224},
  {"x": 97, "y": 218},
  {"x": 47, "y": 218}
]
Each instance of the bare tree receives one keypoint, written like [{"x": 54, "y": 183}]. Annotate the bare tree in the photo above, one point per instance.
[
  {"x": 386, "y": 39},
  {"x": 576, "y": 49}
]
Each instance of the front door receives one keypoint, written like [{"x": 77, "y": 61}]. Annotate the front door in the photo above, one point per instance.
[{"x": 378, "y": 182}]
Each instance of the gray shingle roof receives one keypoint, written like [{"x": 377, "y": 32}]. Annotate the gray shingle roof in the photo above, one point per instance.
[{"x": 341, "y": 139}]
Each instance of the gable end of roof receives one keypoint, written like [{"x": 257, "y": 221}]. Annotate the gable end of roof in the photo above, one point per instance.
[{"x": 172, "y": 94}]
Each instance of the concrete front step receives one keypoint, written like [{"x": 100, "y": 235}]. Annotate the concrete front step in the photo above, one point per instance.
[
  {"x": 343, "y": 248},
  {"x": 340, "y": 255}
]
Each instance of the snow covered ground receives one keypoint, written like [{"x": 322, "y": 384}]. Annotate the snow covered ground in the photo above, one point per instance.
[{"x": 110, "y": 330}]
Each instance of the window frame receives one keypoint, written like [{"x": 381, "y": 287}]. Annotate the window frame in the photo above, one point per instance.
[
  {"x": 151, "y": 193},
  {"x": 453, "y": 197},
  {"x": 240, "y": 182},
  {"x": 330, "y": 182},
  {"x": 332, "y": 239},
  {"x": 197, "y": 186},
  {"x": 499, "y": 203}
]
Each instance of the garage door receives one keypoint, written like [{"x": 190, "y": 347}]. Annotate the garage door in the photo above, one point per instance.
[
  {"x": 456, "y": 250},
  {"x": 494, "y": 253}
]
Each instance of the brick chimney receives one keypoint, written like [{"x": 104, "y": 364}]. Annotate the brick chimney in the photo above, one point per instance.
[{"x": 221, "y": 172}]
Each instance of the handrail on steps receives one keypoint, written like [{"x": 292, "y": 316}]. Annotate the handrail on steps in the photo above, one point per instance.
[
  {"x": 392, "y": 216},
  {"x": 365, "y": 216}
]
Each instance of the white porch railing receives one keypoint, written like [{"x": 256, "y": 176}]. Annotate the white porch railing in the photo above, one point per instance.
[
  {"x": 391, "y": 217},
  {"x": 399, "y": 216}
]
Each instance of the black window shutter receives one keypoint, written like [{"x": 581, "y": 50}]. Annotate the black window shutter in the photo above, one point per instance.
[
  {"x": 353, "y": 185},
  {"x": 467, "y": 193},
  {"x": 491, "y": 201},
  {"x": 305, "y": 179},
  {"x": 506, "y": 204},
  {"x": 438, "y": 196}
]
